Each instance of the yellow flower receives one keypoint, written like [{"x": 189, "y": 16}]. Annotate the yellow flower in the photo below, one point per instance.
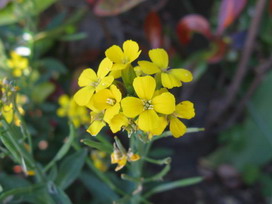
[
  {"x": 123, "y": 58},
  {"x": 148, "y": 105},
  {"x": 91, "y": 82},
  {"x": 7, "y": 112},
  {"x": 17, "y": 63},
  {"x": 108, "y": 100},
  {"x": 99, "y": 160},
  {"x": 68, "y": 107},
  {"x": 118, "y": 122},
  {"x": 169, "y": 78},
  {"x": 183, "y": 110},
  {"x": 97, "y": 122},
  {"x": 120, "y": 158}
]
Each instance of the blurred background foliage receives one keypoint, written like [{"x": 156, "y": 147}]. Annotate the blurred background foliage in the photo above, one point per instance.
[{"x": 227, "y": 44}]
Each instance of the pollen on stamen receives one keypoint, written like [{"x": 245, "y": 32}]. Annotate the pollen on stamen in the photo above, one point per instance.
[
  {"x": 110, "y": 101},
  {"x": 147, "y": 105}
]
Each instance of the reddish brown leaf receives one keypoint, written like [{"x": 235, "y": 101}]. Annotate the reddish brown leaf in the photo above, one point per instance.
[
  {"x": 153, "y": 29},
  {"x": 228, "y": 12},
  {"x": 270, "y": 7},
  {"x": 219, "y": 48},
  {"x": 114, "y": 7},
  {"x": 192, "y": 23},
  {"x": 91, "y": 2}
]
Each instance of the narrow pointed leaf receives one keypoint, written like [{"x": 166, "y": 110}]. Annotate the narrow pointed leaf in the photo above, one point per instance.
[
  {"x": 172, "y": 185},
  {"x": 70, "y": 168}
]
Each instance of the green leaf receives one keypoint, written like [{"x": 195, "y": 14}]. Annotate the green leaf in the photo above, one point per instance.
[
  {"x": 70, "y": 168},
  {"x": 64, "y": 149},
  {"x": 172, "y": 185},
  {"x": 98, "y": 145},
  {"x": 16, "y": 11},
  {"x": 74, "y": 37},
  {"x": 59, "y": 196},
  {"x": 251, "y": 174},
  {"x": 42, "y": 91},
  {"x": 20, "y": 191},
  {"x": 250, "y": 143},
  {"x": 53, "y": 65},
  {"x": 100, "y": 191}
]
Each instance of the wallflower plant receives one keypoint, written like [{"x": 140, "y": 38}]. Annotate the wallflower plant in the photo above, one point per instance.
[{"x": 139, "y": 103}]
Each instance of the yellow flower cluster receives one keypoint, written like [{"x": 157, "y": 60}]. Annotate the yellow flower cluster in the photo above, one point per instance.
[
  {"x": 142, "y": 101},
  {"x": 8, "y": 98},
  {"x": 18, "y": 64},
  {"x": 99, "y": 160},
  {"x": 77, "y": 114}
]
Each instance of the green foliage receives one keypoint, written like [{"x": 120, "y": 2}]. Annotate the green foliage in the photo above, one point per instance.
[{"x": 70, "y": 168}]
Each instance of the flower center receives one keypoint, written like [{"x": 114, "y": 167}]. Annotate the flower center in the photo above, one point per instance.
[
  {"x": 110, "y": 101},
  {"x": 147, "y": 104},
  {"x": 95, "y": 83},
  {"x": 125, "y": 60}
]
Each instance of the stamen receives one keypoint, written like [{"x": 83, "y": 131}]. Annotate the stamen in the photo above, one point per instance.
[
  {"x": 110, "y": 101},
  {"x": 147, "y": 105}
]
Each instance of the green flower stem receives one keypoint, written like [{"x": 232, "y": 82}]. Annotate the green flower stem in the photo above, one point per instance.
[
  {"x": 57, "y": 31},
  {"x": 100, "y": 174},
  {"x": 137, "y": 167},
  {"x": 23, "y": 127},
  {"x": 166, "y": 160}
]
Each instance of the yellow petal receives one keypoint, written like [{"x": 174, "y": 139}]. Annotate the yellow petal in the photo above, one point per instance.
[
  {"x": 182, "y": 74},
  {"x": 115, "y": 54},
  {"x": 131, "y": 50},
  {"x": 96, "y": 127},
  {"x": 121, "y": 163},
  {"x": 104, "y": 67},
  {"x": 148, "y": 67},
  {"x": 8, "y": 115},
  {"x": 87, "y": 77},
  {"x": 185, "y": 110},
  {"x": 133, "y": 157},
  {"x": 119, "y": 67},
  {"x": 177, "y": 128},
  {"x": 99, "y": 100},
  {"x": 116, "y": 93},
  {"x": 159, "y": 57},
  {"x": 61, "y": 112},
  {"x": 116, "y": 74},
  {"x": 164, "y": 103},
  {"x": 83, "y": 95},
  {"x": 138, "y": 71},
  {"x": 132, "y": 106},
  {"x": 169, "y": 81},
  {"x": 159, "y": 129},
  {"x": 148, "y": 120},
  {"x": 117, "y": 122},
  {"x": 144, "y": 87},
  {"x": 64, "y": 100},
  {"x": 111, "y": 111},
  {"x": 105, "y": 83}
]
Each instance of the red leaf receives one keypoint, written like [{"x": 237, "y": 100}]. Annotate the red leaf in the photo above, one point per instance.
[
  {"x": 114, "y": 7},
  {"x": 229, "y": 11},
  {"x": 192, "y": 23},
  {"x": 91, "y": 2},
  {"x": 219, "y": 48},
  {"x": 153, "y": 29}
]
